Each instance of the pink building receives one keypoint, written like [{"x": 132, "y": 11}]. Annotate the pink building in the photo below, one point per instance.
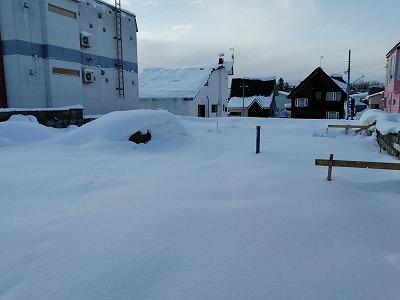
[{"x": 392, "y": 82}]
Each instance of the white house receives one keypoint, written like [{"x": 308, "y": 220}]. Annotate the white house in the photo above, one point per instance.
[
  {"x": 376, "y": 100},
  {"x": 59, "y": 53},
  {"x": 198, "y": 91},
  {"x": 254, "y": 106}
]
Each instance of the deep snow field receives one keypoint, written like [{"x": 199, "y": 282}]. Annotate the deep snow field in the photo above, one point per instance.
[{"x": 195, "y": 213}]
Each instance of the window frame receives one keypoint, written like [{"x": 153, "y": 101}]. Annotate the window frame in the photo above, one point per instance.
[
  {"x": 64, "y": 71},
  {"x": 301, "y": 102},
  {"x": 61, "y": 11},
  {"x": 391, "y": 68},
  {"x": 214, "y": 108},
  {"x": 333, "y": 96},
  {"x": 327, "y": 114}
]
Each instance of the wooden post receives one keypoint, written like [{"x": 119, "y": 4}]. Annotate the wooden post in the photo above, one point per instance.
[
  {"x": 330, "y": 167},
  {"x": 258, "y": 129}
]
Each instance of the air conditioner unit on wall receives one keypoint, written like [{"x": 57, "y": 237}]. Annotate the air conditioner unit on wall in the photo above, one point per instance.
[
  {"x": 88, "y": 76},
  {"x": 85, "y": 39}
]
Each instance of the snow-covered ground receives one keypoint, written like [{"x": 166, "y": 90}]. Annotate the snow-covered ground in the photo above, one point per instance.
[{"x": 195, "y": 213}]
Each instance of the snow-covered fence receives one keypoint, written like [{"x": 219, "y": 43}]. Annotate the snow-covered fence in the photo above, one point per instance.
[
  {"x": 387, "y": 129},
  {"x": 51, "y": 117},
  {"x": 359, "y": 128},
  {"x": 389, "y": 142}
]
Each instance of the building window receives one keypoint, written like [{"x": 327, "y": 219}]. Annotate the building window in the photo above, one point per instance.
[
  {"x": 318, "y": 95},
  {"x": 394, "y": 102},
  {"x": 332, "y": 115},
  {"x": 390, "y": 68},
  {"x": 62, "y": 11},
  {"x": 70, "y": 72},
  {"x": 333, "y": 96},
  {"x": 214, "y": 108},
  {"x": 301, "y": 102},
  {"x": 235, "y": 113},
  {"x": 388, "y": 102}
]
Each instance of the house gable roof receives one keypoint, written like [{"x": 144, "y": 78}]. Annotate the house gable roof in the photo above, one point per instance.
[
  {"x": 316, "y": 72},
  {"x": 238, "y": 102},
  {"x": 253, "y": 86},
  {"x": 176, "y": 82}
]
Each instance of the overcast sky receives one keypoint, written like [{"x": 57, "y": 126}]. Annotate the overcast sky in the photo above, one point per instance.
[{"x": 282, "y": 38}]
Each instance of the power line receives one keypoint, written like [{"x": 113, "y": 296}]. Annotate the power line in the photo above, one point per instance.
[{"x": 376, "y": 70}]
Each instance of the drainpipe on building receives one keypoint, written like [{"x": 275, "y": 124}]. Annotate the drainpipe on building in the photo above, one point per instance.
[{"x": 3, "y": 93}]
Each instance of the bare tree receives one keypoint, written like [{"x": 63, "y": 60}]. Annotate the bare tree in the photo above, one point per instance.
[{"x": 365, "y": 86}]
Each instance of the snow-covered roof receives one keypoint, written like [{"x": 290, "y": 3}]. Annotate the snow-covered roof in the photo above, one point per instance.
[
  {"x": 338, "y": 75},
  {"x": 237, "y": 102},
  {"x": 342, "y": 85},
  {"x": 359, "y": 95},
  {"x": 262, "y": 78},
  {"x": 176, "y": 82},
  {"x": 376, "y": 94}
]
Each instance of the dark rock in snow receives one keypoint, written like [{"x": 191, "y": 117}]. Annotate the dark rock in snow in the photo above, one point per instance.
[{"x": 140, "y": 138}]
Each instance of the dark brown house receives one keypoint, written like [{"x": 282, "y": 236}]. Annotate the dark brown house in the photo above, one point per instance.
[{"x": 319, "y": 96}]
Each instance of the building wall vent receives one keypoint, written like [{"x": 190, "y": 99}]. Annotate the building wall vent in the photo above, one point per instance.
[
  {"x": 88, "y": 76},
  {"x": 85, "y": 39}
]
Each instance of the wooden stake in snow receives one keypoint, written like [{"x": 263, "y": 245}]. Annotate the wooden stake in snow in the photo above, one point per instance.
[{"x": 258, "y": 130}]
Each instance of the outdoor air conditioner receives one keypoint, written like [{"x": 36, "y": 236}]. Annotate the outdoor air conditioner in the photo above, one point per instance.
[
  {"x": 85, "y": 39},
  {"x": 87, "y": 76}
]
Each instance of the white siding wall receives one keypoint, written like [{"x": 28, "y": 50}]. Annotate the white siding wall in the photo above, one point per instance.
[
  {"x": 217, "y": 92},
  {"x": 35, "y": 40}
]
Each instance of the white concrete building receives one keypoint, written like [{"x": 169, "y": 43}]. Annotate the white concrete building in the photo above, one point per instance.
[
  {"x": 59, "y": 53},
  {"x": 198, "y": 91}
]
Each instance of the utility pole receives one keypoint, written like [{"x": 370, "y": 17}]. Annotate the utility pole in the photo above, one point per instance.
[
  {"x": 348, "y": 88},
  {"x": 243, "y": 96}
]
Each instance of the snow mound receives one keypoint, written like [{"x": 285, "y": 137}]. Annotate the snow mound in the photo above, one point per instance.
[
  {"x": 322, "y": 134},
  {"x": 385, "y": 122},
  {"x": 23, "y": 129},
  {"x": 120, "y": 125}
]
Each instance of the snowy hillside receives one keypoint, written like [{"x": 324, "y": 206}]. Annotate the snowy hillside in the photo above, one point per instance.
[{"x": 195, "y": 213}]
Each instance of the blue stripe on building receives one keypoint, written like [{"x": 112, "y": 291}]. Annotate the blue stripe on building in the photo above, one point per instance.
[{"x": 18, "y": 47}]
